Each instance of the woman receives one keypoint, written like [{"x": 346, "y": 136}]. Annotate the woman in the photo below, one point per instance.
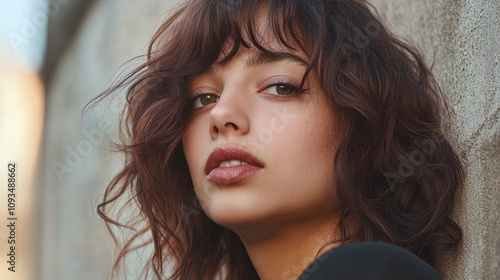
[{"x": 261, "y": 135}]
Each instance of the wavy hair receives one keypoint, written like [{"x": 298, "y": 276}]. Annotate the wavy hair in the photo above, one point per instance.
[{"x": 396, "y": 173}]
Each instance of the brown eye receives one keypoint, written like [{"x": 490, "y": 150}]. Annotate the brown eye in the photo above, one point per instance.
[
  {"x": 203, "y": 100},
  {"x": 208, "y": 99},
  {"x": 282, "y": 89}
]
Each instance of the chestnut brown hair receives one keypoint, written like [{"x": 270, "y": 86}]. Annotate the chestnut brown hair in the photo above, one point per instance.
[{"x": 396, "y": 173}]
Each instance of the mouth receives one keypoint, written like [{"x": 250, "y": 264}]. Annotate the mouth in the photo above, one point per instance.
[{"x": 230, "y": 164}]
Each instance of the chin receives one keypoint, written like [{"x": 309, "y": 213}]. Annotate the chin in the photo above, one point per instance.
[{"x": 237, "y": 215}]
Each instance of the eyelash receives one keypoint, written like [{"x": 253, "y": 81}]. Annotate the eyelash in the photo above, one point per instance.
[
  {"x": 296, "y": 91},
  {"x": 197, "y": 97}
]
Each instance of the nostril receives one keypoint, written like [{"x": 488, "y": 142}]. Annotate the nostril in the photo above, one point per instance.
[
  {"x": 232, "y": 124},
  {"x": 222, "y": 129},
  {"x": 228, "y": 117}
]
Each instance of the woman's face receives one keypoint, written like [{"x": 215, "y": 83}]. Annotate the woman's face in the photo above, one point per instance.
[{"x": 260, "y": 151}]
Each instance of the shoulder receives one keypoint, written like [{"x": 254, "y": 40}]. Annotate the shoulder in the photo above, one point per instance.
[{"x": 370, "y": 260}]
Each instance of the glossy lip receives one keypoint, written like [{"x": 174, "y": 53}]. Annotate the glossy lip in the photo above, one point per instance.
[{"x": 230, "y": 175}]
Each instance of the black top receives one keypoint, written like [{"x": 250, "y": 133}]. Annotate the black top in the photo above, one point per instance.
[{"x": 370, "y": 261}]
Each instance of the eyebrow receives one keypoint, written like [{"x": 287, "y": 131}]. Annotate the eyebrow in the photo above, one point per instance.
[
  {"x": 264, "y": 58},
  {"x": 268, "y": 58}
]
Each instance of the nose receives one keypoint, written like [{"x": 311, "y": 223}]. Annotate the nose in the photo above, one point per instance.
[{"x": 230, "y": 115}]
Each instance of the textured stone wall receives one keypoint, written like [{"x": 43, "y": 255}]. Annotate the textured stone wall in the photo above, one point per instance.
[
  {"x": 461, "y": 35},
  {"x": 74, "y": 243},
  {"x": 66, "y": 17}
]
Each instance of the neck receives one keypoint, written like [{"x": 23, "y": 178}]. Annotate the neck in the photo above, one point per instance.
[{"x": 284, "y": 253}]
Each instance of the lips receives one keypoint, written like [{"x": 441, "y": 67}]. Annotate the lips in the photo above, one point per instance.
[{"x": 227, "y": 173}]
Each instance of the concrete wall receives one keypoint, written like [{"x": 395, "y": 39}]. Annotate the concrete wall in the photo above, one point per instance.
[
  {"x": 464, "y": 38},
  {"x": 74, "y": 243},
  {"x": 66, "y": 17},
  {"x": 462, "y": 35}
]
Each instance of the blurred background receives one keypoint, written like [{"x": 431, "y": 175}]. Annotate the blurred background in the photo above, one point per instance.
[{"x": 56, "y": 55}]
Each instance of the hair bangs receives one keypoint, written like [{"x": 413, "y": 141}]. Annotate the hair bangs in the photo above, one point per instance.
[{"x": 220, "y": 28}]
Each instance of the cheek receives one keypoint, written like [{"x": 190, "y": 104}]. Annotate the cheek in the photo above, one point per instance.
[
  {"x": 312, "y": 136},
  {"x": 309, "y": 148},
  {"x": 192, "y": 142}
]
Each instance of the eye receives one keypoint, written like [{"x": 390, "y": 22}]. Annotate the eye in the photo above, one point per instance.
[
  {"x": 282, "y": 89},
  {"x": 203, "y": 100}
]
